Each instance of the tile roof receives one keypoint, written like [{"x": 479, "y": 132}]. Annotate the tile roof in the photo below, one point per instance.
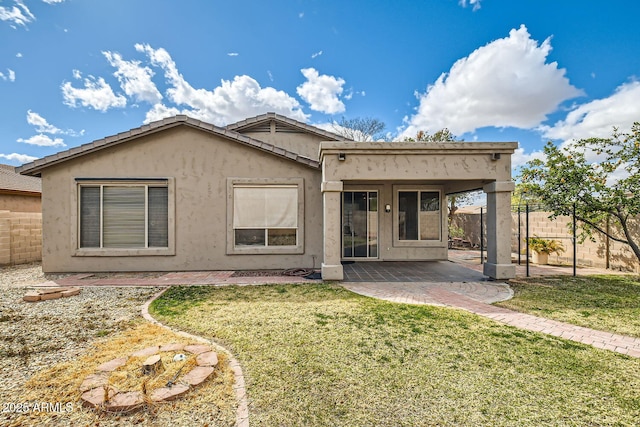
[
  {"x": 14, "y": 182},
  {"x": 252, "y": 121},
  {"x": 35, "y": 168}
]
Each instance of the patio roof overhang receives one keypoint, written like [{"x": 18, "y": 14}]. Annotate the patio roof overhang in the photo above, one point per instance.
[{"x": 456, "y": 166}]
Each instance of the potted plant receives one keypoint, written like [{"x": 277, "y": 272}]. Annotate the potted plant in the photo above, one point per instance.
[{"x": 542, "y": 248}]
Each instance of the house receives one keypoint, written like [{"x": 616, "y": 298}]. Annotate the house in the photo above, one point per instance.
[
  {"x": 18, "y": 193},
  {"x": 264, "y": 193}
]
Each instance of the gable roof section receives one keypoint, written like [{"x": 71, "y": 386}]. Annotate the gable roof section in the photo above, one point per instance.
[
  {"x": 12, "y": 182},
  {"x": 35, "y": 168},
  {"x": 262, "y": 122}
]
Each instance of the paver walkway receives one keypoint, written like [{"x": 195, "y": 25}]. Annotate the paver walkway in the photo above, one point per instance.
[{"x": 475, "y": 295}]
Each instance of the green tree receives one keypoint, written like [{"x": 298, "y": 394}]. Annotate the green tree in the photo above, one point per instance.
[
  {"x": 362, "y": 129},
  {"x": 443, "y": 135},
  {"x": 605, "y": 188}
]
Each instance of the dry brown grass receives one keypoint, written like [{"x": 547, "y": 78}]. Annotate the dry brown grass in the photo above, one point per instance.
[{"x": 211, "y": 403}]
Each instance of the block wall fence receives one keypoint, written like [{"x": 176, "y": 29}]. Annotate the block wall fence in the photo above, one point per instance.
[
  {"x": 603, "y": 253},
  {"x": 20, "y": 237}
]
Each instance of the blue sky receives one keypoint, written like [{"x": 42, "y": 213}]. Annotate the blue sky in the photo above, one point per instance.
[{"x": 72, "y": 71}]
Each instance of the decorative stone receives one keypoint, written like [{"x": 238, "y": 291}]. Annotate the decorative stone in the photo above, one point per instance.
[
  {"x": 124, "y": 402},
  {"x": 55, "y": 295},
  {"x": 70, "y": 292},
  {"x": 112, "y": 365},
  {"x": 95, "y": 396},
  {"x": 31, "y": 296},
  {"x": 43, "y": 291},
  {"x": 210, "y": 358},
  {"x": 169, "y": 393},
  {"x": 153, "y": 365},
  {"x": 99, "y": 379},
  {"x": 197, "y": 348},
  {"x": 172, "y": 347},
  {"x": 149, "y": 351},
  {"x": 197, "y": 375}
]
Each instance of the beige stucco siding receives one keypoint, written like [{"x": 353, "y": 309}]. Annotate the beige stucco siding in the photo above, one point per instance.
[
  {"x": 199, "y": 164},
  {"x": 305, "y": 144}
]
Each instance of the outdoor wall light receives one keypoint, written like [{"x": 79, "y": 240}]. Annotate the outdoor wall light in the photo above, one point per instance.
[
  {"x": 387, "y": 208},
  {"x": 342, "y": 156}
]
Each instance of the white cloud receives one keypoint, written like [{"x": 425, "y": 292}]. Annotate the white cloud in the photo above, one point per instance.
[
  {"x": 504, "y": 83},
  {"x": 18, "y": 55},
  {"x": 597, "y": 118},
  {"x": 231, "y": 101},
  {"x": 43, "y": 141},
  {"x": 41, "y": 123},
  {"x": 233, "y": 54},
  {"x": 134, "y": 79},
  {"x": 53, "y": 1},
  {"x": 301, "y": 15},
  {"x": 520, "y": 158},
  {"x": 474, "y": 3},
  {"x": 77, "y": 74},
  {"x": 20, "y": 158},
  {"x": 321, "y": 91},
  {"x": 160, "y": 111},
  {"x": 43, "y": 126},
  {"x": 10, "y": 76},
  {"x": 96, "y": 94},
  {"x": 315, "y": 55},
  {"x": 18, "y": 14}
]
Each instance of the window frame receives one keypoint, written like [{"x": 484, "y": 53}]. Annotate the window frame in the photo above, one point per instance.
[
  {"x": 122, "y": 182},
  {"x": 233, "y": 249},
  {"x": 397, "y": 242}
]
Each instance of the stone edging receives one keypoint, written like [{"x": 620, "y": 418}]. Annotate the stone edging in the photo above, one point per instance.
[{"x": 242, "y": 413}]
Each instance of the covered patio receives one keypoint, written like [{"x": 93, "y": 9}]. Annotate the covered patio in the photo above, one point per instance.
[{"x": 386, "y": 201}]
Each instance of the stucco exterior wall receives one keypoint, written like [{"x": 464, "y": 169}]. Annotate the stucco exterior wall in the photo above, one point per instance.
[
  {"x": 388, "y": 250},
  {"x": 20, "y": 237},
  {"x": 20, "y": 203},
  {"x": 304, "y": 144},
  {"x": 199, "y": 164}
]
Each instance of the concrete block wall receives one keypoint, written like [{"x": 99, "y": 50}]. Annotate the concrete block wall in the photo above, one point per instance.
[
  {"x": 20, "y": 237},
  {"x": 602, "y": 253}
]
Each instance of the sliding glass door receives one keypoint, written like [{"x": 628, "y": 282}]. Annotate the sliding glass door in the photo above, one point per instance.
[{"x": 360, "y": 224}]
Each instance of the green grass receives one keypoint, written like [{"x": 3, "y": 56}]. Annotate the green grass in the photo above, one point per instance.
[
  {"x": 607, "y": 303},
  {"x": 318, "y": 355}
]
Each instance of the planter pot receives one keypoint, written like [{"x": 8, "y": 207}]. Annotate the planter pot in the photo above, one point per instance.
[{"x": 540, "y": 258}]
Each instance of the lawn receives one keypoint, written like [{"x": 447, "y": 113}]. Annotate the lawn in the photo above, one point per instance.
[
  {"x": 607, "y": 303},
  {"x": 316, "y": 355}
]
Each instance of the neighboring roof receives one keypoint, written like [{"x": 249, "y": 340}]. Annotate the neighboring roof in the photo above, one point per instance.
[
  {"x": 286, "y": 123},
  {"x": 12, "y": 182},
  {"x": 35, "y": 168}
]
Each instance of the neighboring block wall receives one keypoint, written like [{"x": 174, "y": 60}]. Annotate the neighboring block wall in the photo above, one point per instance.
[
  {"x": 20, "y": 237},
  {"x": 603, "y": 253}
]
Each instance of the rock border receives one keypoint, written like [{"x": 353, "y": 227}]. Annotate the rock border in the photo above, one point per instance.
[
  {"x": 242, "y": 413},
  {"x": 97, "y": 393}
]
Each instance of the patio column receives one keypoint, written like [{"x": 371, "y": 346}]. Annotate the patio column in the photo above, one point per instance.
[
  {"x": 331, "y": 265},
  {"x": 498, "y": 265}
]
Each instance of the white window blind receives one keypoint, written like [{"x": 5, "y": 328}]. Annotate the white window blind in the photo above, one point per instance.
[{"x": 265, "y": 207}]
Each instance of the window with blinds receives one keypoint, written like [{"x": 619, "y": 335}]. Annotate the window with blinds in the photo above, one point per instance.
[
  {"x": 265, "y": 215},
  {"x": 123, "y": 216}
]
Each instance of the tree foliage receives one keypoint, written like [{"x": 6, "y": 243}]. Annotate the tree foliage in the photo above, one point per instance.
[
  {"x": 443, "y": 135},
  {"x": 364, "y": 129},
  {"x": 601, "y": 189}
]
